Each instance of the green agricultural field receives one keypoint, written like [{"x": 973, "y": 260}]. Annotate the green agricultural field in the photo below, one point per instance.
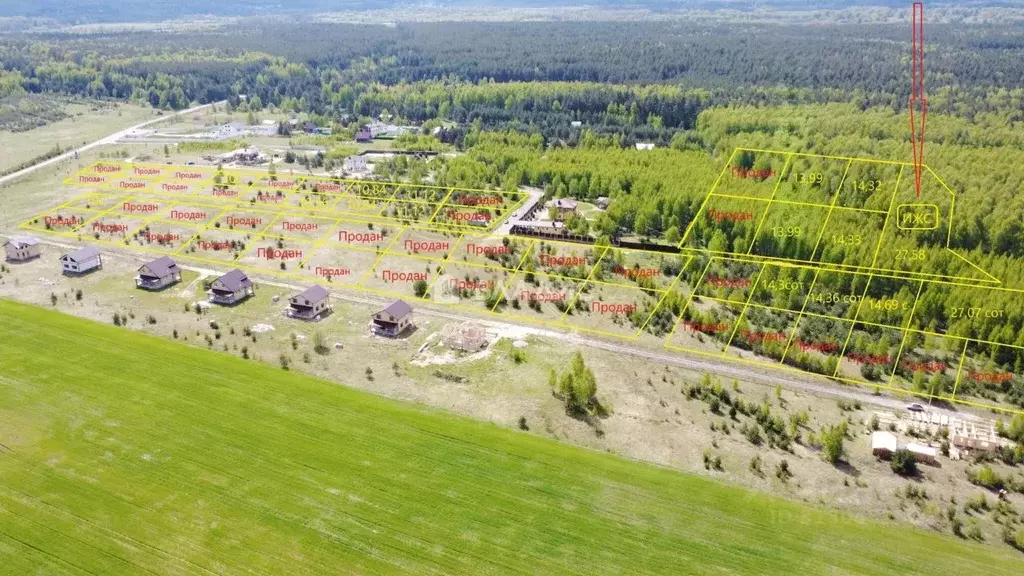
[{"x": 127, "y": 454}]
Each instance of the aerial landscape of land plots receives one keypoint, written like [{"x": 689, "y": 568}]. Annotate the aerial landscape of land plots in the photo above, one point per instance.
[
  {"x": 779, "y": 284},
  {"x": 763, "y": 273}
]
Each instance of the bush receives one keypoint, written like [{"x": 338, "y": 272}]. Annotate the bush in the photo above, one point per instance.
[
  {"x": 832, "y": 442},
  {"x": 986, "y": 477},
  {"x": 782, "y": 471},
  {"x": 175, "y": 333},
  {"x": 320, "y": 343},
  {"x": 522, "y": 423},
  {"x": 284, "y": 361},
  {"x": 1018, "y": 539},
  {"x": 958, "y": 526},
  {"x": 117, "y": 319},
  {"x": 903, "y": 462},
  {"x": 714, "y": 405},
  {"x": 752, "y": 433},
  {"x": 78, "y": 294},
  {"x": 516, "y": 355},
  {"x": 53, "y": 299},
  {"x": 756, "y": 465},
  {"x": 419, "y": 288}
]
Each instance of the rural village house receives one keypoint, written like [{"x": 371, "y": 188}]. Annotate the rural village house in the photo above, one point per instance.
[
  {"x": 312, "y": 303},
  {"x": 393, "y": 320},
  {"x": 158, "y": 274},
  {"x": 231, "y": 288},
  {"x": 81, "y": 261},
  {"x": 564, "y": 207},
  {"x": 21, "y": 248}
]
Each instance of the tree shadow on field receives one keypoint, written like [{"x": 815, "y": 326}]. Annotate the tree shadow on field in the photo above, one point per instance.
[{"x": 847, "y": 468}]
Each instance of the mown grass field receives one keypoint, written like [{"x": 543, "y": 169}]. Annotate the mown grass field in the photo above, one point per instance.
[{"x": 128, "y": 454}]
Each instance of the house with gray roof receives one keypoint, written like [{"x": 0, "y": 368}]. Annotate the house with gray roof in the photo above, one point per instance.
[
  {"x": 21, "y": 248},
  {"x": 81, "y": 261},
  {"x": 393, "y": 320},
  {"x": 311, "y": 304},
  {"x": 231, "y": 288},
  {"x": 158, "y": 274}
]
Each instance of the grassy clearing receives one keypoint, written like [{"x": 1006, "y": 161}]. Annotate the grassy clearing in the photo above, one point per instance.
[
  {"x": 87, "y": 123},
  {"x": 124, "y": 453}
]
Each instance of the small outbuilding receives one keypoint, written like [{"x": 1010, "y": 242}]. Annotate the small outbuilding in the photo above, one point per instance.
[
  {"x": 364, "y": 135},
  {"x": 231, "y": 288},
  {"x": 883, "y": 444},
  {"x": 393, "y": 320},
  {"x": 310, "y": 304},
  {"x": 158, "y": 274},
  {"x": 81, "y": 261},
  {"x": 21, "y": 248},
  {"x": 923, "y": 453}
]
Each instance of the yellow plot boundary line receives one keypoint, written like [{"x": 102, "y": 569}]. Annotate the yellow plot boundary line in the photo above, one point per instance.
[
  {"x": 872, "y": 160},
  {"x": 863, "y": 383},
  {"x": 205, "y": 228},
  {"x": 319, "y": 244},
  {"x": 515, "y": 274},
  {"x": 975, "y": 266},
  {"x": 80, "y": 227},
  {"x": 583, "y": 285},
  {"x": 611, "y": 334},
  {"x": 959, "y": 370},
  {"x": 689, "y": 300},
  {"x": 839, "y": 268},
  {"x": 664, "y": 297},
  {"x": 383, "y": 253},
  {"x": 906, "y": 333},
  {"x": 442, "y": 268},
  {"x": 796, "y": 324},
  {"x": 888, "y": 216},
  {"x": 831, "y": 207},
  {"x": 764, "y": 215},
  {"x": 739, "y": 319},
  {"x": 689, "y": 227},
  {"x": 521, "y": 198},
  {"x": 795, "y": 203},
  {"x": 853, "y": 325}
]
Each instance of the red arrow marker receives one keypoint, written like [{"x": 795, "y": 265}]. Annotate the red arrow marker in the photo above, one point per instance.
[{"x": 917, "y": 94}]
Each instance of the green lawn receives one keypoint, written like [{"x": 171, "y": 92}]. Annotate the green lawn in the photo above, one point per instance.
[{"x": 128, "y": 454}]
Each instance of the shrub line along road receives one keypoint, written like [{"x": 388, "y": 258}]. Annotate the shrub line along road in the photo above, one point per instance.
[{"x": 720, "y": 369}]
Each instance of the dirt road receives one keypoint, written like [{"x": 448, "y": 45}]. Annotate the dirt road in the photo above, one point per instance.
[{"x": 111, "y": 139}]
